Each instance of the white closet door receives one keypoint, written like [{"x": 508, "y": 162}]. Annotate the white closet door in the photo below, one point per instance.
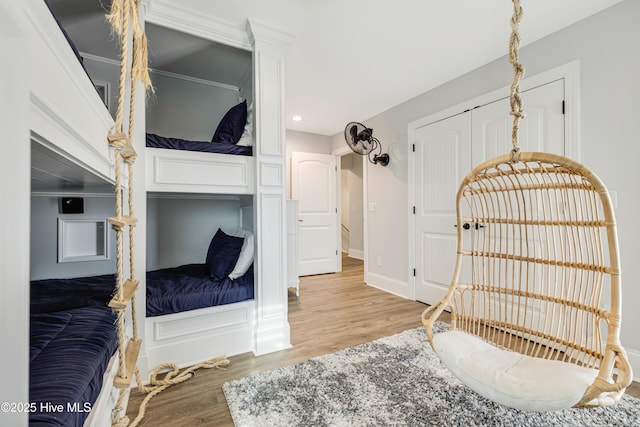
[
  {"x": 313, "y": 184},
  {"x": 442, "y": 159},
  {"x": 541, "y": 130},
  {"x": 447, "y": 150}
]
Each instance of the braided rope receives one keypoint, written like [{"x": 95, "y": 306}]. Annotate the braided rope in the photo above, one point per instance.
[
  {"x": 518, "y": 72},
  {"x": 119, "y": 20},
  {"x": 172, "y": 377}
]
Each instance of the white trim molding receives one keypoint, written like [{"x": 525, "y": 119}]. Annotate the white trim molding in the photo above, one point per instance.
[{"x": 172, "y": 14}]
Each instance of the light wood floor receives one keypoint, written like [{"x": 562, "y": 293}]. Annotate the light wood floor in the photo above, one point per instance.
[{"x": 334, "y": 311}]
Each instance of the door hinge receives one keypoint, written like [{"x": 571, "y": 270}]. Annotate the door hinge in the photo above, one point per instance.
[
  {"x": 414, "y": 210},
  {"x": 414, "y": 272},
  {"x": 563, "y": 106},
  {"x": 413, "y": 147}
]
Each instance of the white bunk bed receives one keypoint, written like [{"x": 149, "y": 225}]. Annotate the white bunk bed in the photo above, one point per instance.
[
  {"x": 188, "y": 337},
  {"x": 68, "y": 124},
  {"x": 66, "y": 112},
  {"x": 259, "y": 325},
  {"x": 68, "y": 118}
]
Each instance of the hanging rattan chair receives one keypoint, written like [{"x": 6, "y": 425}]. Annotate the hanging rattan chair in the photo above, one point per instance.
[{"x": 535, "y": 297}]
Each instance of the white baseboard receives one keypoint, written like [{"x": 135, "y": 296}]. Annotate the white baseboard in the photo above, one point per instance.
[
  {"x": 634, "y": 361},
  {"x": 387, "y": 284},
  {"x": 272, "y": 335},
  {"x": 356, "y": 253}
]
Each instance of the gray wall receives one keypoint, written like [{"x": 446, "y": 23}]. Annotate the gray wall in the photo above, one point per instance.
[
  {"x": 102, "y": 71},
  {"x": 180, "y": 107},
  {"x": 179, "y": 230},
  {"x": 44, "y": 238},
  {"x": 606, "y": 45},
  {"x": 187, "y": 109}
]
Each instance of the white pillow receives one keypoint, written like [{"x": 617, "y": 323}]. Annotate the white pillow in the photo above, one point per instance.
[
  {"x": 245, "y": 259},
  {"x": 246, "y": 139}
]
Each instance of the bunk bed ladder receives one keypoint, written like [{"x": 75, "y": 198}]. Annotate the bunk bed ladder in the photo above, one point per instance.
[{"x": 125, "y": 22}]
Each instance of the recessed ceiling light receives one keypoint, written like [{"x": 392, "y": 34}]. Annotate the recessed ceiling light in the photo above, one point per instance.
[{"x": 296, "y": 118}]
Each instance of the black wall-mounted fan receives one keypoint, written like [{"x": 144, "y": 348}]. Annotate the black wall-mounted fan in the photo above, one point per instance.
[{"x": 361, "y": 140}]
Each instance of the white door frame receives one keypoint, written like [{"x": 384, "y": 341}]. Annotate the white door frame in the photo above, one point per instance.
[
  {"x": 339, "y": 152},
  {"x": 570, "y": 72},
  {"x": 356, "y": 160}
]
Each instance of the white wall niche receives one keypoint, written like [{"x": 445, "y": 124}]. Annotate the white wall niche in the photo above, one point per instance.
[{"x": 82, "y": 240}]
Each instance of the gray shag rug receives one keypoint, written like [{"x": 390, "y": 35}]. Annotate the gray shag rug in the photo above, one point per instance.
[{"x": 393, "y": 381}]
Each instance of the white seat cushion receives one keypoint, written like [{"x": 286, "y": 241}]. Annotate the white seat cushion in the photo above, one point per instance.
[{"x": 510, "y": 378}]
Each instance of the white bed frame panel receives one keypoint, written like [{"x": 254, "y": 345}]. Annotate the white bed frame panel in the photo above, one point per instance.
[
  {"x": 193, "y": 336},
  {"x": 102, "y": 409},
  {"x": 67, "y": 115},
  {"x": 66, "y": 112},
  {"x": 14, "y": 264},
  {"x": 180, "y": 171}
]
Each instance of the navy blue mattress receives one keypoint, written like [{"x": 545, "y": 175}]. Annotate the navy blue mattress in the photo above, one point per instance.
[
  {"x": 188, "y": 287},
  {"x": 72, "y": 339},
  {"x": 157, "y": 141}
]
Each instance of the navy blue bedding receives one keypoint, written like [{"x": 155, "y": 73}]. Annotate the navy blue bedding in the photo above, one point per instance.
[
  {"x": 72, "y": 339},
  {"x": 157, "y": 141},
  {"x": 52, "y": 295},
  {"x": 189, "y": 287},
  {"x": 73, "y": 334}
]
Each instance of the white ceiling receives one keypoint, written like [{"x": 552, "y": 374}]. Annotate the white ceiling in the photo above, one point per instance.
[{"x": 353, "y": 59}]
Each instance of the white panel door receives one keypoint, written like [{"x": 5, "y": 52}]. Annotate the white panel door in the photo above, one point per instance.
[
  {"x": 447, "y": 150},
  {"x": 541, "y": 130},
  {"x": 442, "y": 159},
  {"x": 313, "y": 184}
]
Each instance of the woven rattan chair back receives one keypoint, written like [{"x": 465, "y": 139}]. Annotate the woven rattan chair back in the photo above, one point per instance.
[{"x": 537, "y": 269}]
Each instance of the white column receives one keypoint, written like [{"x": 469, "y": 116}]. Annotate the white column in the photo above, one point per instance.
[
  {"x": 15, "y": 177},
  {"x": 272, "y": 324},
  {"x": 140, "y": 210}
]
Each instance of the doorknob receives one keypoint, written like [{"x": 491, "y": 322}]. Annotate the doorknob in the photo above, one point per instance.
[{"x": 465, "y": 226}]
